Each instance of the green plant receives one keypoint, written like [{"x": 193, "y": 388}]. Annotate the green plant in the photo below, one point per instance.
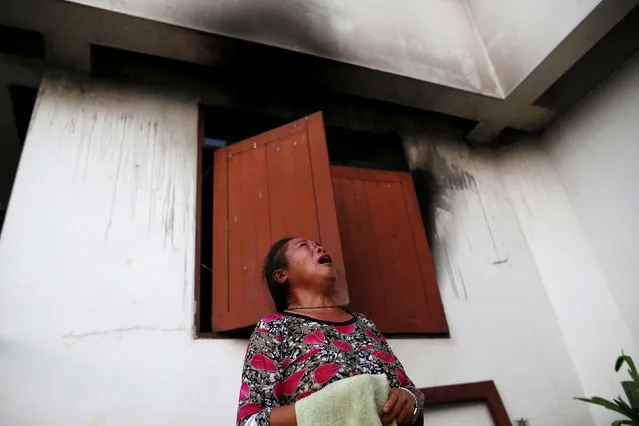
[
  {"x": 629, "y": 409},
  {"x": 521, "y": 422}
]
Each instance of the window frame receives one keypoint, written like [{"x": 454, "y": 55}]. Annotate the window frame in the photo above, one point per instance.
[
  {"x": 198, "y": 229},
  {"x": 483, "y": 392}
]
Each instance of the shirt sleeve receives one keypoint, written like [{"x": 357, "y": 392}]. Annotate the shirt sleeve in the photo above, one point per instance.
[
  {"x": 261, "y": 372},
  {"x": 398, "y": 377}
]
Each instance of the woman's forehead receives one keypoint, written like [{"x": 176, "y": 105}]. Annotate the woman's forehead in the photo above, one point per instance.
[{"x": 298, "y": 240}]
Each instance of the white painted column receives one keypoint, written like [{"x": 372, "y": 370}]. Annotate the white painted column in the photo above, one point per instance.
[
  {"x": 591, "y": 322},
  {"x": 96, "y": 267}
]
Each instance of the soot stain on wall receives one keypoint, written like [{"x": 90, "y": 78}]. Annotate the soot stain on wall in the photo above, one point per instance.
[
  {"x": 146, "y": 153},
  {"x": 434, "y": 177}
]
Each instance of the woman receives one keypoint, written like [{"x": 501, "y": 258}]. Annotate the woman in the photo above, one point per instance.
[{"x": 311, "y": 343}]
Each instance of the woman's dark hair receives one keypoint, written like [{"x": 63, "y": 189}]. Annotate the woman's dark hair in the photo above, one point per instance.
[{"x": 276, "y": 259}]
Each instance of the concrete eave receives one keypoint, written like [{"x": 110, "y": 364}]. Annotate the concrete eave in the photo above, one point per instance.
[{"x": 70, "y": 29}]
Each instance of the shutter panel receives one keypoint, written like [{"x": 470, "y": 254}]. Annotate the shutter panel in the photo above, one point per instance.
[
  {"x": 267, "y": 187},
  {"x": 386, "y": 254}
]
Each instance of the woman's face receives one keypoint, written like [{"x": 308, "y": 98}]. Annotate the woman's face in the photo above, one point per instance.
[{"x": 308, "y": 263}]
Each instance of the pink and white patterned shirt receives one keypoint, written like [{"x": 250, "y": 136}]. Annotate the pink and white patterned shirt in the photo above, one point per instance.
[{"x": 290, "y": 356}]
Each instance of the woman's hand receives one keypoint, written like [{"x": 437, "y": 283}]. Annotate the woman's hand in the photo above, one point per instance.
[{"x": 399, "y": 406}]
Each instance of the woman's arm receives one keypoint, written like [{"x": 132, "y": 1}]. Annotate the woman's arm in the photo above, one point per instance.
[
  {"x": 261, "y": 373},
  {"x": 405, "y": 385},
  {"x": 399, "y": 380}
]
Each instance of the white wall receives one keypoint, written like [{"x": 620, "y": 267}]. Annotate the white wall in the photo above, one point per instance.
[
  {"x": 473, "y": 414},
  {"x": 96, "y": 268},
  {"x": 595, "y": 149},
  {"x": 96, "y": 275},
  {"x": 576, "y": 195},
  {"x": 591, "y": 322},
  {"x": 502, "y": 324}
]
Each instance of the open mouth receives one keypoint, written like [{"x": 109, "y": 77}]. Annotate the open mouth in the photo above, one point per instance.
[{"x": 325, "y": 259}]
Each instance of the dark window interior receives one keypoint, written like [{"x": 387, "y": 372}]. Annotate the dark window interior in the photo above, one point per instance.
[
  {"x": 19, "y": 42},
  {"x": 206, "y": 241},
  {"x": 22, "y": 100},
  {"x": 346, "y": 147},
  {"x": 353, "y": 148},
  {"x": 22, "y": 103}
]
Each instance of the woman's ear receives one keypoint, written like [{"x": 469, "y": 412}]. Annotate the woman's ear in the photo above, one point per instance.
[{"x": 280, "y": 276}]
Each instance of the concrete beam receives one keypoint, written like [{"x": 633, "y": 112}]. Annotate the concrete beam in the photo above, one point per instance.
[
  {"x": 70, "y": 47},
  {"x": 21, "y": 71},
  {"x": 68, "y": 50},
  {"x": 592, "y": 29},
  {"x": 432, "y": 41},
  {"x": 596, "y": 25},
  {"x": 613, "y": 50}
]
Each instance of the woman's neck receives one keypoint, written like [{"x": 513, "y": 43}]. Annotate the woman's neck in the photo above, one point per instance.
[
  {"x": 333, "y": 315},
  {"x": 312, "y": 301},
  {"x": 320, "y": 307}
]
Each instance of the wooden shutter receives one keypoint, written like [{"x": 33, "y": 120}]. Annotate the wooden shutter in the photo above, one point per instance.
[
  {"x": 267, "y": 187},
  {"x": 390, "y": 270}
]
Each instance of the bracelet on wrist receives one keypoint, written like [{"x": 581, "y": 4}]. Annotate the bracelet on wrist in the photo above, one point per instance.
[{"x": 417, "y": 407}]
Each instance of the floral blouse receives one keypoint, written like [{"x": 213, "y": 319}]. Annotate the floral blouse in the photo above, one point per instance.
[{"x": 290, "y": 356}]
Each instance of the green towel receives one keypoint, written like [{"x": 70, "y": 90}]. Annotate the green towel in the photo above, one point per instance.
[{"x": 356, "y": 401}]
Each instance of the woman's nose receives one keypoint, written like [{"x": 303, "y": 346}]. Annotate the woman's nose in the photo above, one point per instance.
[{"x": 320, "y": 249}]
